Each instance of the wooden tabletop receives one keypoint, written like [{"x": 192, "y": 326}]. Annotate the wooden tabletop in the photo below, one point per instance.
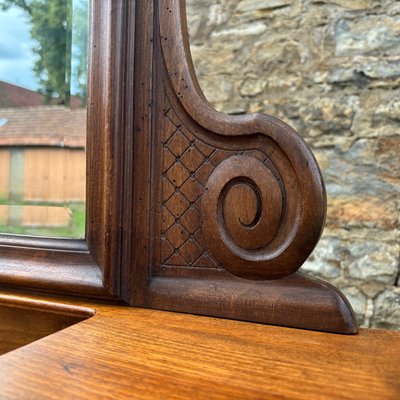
[{"x": 131, "y": 353}]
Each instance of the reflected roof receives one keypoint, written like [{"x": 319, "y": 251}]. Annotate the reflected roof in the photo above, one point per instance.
[
  {"x": 16, "y": 96},
  {"x": 56, "y": 126}
]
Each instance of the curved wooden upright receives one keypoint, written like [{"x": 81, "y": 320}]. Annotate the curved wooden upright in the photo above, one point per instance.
[{"x": 236, "y": 204}]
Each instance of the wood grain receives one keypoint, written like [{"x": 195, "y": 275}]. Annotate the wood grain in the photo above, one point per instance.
[
  {"x": 188, "y": 209},
  {"x": 58, "y": 265},
  {"x": 224, "y": 207},
  {"x": 50, "y": 268},
  {"x": 287, "y": 179},
  {"x": 4, "y": 172},
  {"x": 23, "y": 321},
  {"x": 124, "y": 353},
  {"x": 295, "y": 301}
]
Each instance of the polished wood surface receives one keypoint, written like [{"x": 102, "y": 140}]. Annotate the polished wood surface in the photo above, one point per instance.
[
  {"x": 89, "y": 267},
  {"x": 188, "y": 209},
  {"x": 133, "y": 353},
  {"x": 23, "y": 321},
  {"x": 225, "y": 208}
]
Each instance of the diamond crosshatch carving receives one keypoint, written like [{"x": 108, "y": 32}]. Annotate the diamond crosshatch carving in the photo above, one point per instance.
[
  {"x": 178, "y": 143},
  {"x": 177, "y": 205},
  {"x": 166, "y": 248},
  {"x": 168, "y": 159},
  {"x": 178, "y": 174},
  {"x": 168, "y": 188},
  {"x": 204, "y": 172},
  {"x": 192, "y": 159},
  {"x": 190, "y": 251},
  {"x": 191, "y": 220},
  {"x": 167, "y": 219},
  {"x": 177, "y": 235},
  {"x": 192, "y": 189},
  {"x": 187, "y": 164}
]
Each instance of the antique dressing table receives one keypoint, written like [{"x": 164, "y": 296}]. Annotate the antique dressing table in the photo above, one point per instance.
[{"x": 186, "y": 285}]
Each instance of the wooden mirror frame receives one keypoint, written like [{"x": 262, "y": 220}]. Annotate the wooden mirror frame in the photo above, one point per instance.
[
  {"x": 89, "y": 267},
  {"x": 142, "y": 90}
]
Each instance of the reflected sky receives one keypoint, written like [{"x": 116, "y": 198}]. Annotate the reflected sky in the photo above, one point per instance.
[{"x": 16, "y": 57}]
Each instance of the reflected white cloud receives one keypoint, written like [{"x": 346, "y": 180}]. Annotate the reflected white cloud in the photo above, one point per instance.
[{"x": 16, "y": 57}]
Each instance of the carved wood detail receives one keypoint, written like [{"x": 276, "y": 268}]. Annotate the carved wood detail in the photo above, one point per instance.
[
  {"x": 237, "y": 204},
  {"x": 189, "y": 210},
  {"x": 186, "y": 165},
  {"x": 211, "y": 183}
]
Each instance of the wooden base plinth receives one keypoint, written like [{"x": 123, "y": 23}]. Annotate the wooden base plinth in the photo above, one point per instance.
[{"x": 295, "y": 301}]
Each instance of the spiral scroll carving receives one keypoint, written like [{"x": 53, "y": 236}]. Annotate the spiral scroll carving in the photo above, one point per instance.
[
  {"x": 260, "y": 219},
  {"x": 248, "y": 223},
  {"x": 238, "y": 195}
]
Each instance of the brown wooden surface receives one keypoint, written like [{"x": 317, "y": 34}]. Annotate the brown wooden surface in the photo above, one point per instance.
[
  {"x": 295, "y": 301},
  {"x": 225, "y": 209},
  {"x": 46, "y": 265},
  {"x": 132, "y": 353},
  {"x": 89, "y": 267},
  {"x": 188, "y": 209},
  {"x": 23, "y": 321}
]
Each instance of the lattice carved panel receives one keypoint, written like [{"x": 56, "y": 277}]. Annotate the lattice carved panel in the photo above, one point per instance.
[
  {"x": 187, "y": 163},
  {"x": 227, "y": 207}
]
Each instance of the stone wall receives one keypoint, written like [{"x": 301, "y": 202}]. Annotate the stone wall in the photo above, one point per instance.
[{"x": 331, "y": 69}]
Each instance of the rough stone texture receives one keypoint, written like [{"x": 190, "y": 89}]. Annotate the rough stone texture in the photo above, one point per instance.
[
  {"x": 387, "y": 309},
  {"x": 331, "y": 69}
]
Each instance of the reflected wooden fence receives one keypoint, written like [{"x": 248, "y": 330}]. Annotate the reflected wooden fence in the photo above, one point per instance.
[{"x": 45, "y": 176}]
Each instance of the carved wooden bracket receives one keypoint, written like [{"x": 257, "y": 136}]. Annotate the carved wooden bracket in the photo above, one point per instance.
[{"x": 236, "y": 203}]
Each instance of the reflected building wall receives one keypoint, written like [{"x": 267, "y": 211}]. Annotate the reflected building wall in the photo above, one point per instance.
[{"x": 43, "y": 117}]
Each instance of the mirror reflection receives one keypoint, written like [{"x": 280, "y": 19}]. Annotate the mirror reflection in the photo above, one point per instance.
[{"x": 43, "y": 75}]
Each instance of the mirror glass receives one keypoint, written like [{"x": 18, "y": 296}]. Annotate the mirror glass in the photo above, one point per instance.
[{"x": 43, "y": 75}]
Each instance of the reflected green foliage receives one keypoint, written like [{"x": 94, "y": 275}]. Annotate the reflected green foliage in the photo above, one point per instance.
[
  {"x": 80, "y": 55},
  {"x": 75, "y": 228},
  {"x": 52, "y": 28},
  {"x": 59, "y": 33}
]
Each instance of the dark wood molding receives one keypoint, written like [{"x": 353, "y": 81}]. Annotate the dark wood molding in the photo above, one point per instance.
[
  {"x": 227, "y": 208},
  {"x": 46, "y": 269},
  {"x": 188, "y": 209},
  {"x": 296, "y": 300},
  {"x": 44, "y": 305},
  {"x": 105, "y": 141},
  {"x": 28, "y": 319},
  {"x": 90, "y": 267}
]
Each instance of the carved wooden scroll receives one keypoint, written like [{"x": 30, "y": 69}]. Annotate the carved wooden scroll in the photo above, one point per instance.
[{"x": 237, "y": 203}]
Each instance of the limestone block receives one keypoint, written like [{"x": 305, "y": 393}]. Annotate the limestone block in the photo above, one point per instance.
[
  {"x": 252, "y": 86},
  {"x": 373, "y": 261},
  {"x": 369, "y": 34},
  {"x": 353, "y": 4},
  {"x": 358, "y": 302},
  {"x": 365, "y": 212},
  {"x": 252, "y": 29},
  {"x": 255, "y": 5},
  {"x": 378, "y": 115},
  {"x": 217, "y": 88},
  {"x": 325, "y": 260},
  {"x": 387, "y": 310}
]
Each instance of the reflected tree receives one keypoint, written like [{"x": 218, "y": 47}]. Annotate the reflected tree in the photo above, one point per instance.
[
  {"x": 79, "y": 57},
  {"x": 60, "y": 31}
]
